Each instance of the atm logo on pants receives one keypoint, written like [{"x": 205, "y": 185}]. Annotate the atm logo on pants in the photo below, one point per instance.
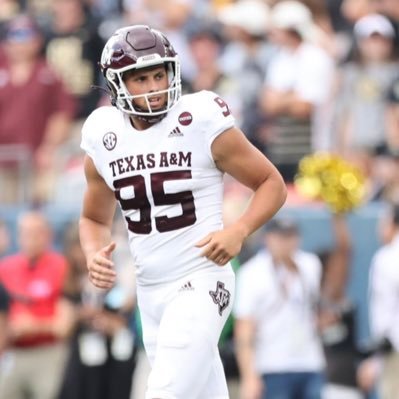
[{"x": 221, "y": 297}]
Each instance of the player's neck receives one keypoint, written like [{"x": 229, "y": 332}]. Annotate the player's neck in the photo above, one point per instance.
[{"x": 139, "y": 124}]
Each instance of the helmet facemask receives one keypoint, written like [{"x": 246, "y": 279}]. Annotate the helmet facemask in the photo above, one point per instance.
[{"x": 124, "y": 100}]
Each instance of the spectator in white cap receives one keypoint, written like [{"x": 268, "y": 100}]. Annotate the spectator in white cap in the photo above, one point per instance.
[
  {"x": 250, "y": 15},
  {"x": 373, "y": 24},
  {"x": 293, "y": 15},
  {"x": 296, "y": 16}
]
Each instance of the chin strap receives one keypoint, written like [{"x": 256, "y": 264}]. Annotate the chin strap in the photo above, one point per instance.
[{"x": 151, "y": 119}]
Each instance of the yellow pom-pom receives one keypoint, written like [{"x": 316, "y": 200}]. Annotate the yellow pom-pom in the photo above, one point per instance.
[{"x": 330, "y": 178}]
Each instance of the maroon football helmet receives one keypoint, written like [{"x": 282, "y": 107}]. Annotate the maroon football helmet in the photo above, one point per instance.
[{"x": 134, "y": 47}]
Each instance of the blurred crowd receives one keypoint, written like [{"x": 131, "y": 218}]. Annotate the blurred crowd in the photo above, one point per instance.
[{"x": 300, "y": 77}]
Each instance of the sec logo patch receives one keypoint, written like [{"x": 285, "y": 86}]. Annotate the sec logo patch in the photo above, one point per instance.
[{"x": 109, "y": 140}]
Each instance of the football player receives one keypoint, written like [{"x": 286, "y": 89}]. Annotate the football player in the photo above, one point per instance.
[{"x": 161, "y": 157}]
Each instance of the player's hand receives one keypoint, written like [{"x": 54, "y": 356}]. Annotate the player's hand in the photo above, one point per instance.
[
  {"x": 222, "y": 245},
  {"x": 101, "y": 267}
]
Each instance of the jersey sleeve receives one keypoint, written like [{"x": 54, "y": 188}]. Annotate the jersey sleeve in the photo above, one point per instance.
[{"x": 217, "y": 116}]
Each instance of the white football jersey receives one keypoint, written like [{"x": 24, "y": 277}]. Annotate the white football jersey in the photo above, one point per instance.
[{"x": 165, "y": 180}]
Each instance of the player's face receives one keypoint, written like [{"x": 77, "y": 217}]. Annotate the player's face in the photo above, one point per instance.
[{"x": 148, "y": 80}]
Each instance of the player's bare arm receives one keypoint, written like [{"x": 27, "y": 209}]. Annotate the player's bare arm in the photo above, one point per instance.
[
  {"x": 235, "y": 155},
  {"x": 95, "y": 227}
]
